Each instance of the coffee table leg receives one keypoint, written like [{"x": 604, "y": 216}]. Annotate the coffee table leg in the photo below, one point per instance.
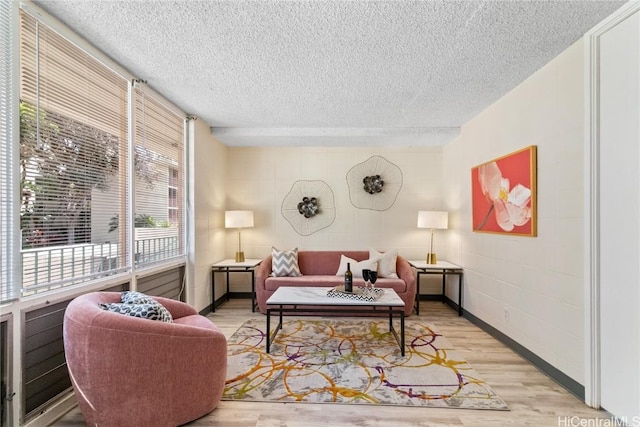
[
  {"x": 400, "y": 339},
  {"x": 272, "y": 336},
  {"x": 402, "y": 333},
  {"x": 268, "y": 329}
]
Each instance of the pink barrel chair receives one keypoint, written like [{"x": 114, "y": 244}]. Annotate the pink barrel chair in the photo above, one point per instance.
[{"x": 128, "y": 371}]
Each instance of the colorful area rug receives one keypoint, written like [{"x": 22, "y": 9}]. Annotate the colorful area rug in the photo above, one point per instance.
[{"x": 352, "y": 362}]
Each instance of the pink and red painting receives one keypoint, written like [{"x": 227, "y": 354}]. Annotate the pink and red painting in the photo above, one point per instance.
[{"x": 503, "y": 193}]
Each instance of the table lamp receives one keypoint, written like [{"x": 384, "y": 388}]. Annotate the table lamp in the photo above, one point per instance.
[
  {"x": 239, "y": 220},
  {"x": 433, "y": 220}
]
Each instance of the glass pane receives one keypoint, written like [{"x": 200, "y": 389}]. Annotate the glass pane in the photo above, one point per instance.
[
  {"x": 158, "y": 194},
  {"x": 73, "y": 162}
]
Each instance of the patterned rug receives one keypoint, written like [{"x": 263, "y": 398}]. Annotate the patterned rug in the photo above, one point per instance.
[{"x": 353, "y": 362}]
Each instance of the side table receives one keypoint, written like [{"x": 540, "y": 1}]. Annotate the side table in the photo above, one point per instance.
[
  {"x": 229, "y": 266},
  {"x": 445, "y": 269}
]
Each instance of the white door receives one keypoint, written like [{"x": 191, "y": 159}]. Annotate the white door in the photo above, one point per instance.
[{"x": 616, "y": 227}]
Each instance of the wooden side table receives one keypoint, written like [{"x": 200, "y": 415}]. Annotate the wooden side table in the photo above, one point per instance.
[
  {"x": 444, "y": 268},
  {"x": 229, "y": 266}
]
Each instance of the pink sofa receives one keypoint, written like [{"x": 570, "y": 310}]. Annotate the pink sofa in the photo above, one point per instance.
[
  {"x": 128, "y": 371},
  {"x": 319, "y": 268}
]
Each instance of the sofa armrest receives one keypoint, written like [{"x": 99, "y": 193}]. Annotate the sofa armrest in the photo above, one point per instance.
[
  {"x": 406, "y": 273},
  {"x": 263, "y": 272}
]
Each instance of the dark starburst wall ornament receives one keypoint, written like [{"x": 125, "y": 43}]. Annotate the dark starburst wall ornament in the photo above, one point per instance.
[
  {"x": 374, "y": 184},
  {"x": 308, "y": 207},
  {"x": 308, "y": 214}
]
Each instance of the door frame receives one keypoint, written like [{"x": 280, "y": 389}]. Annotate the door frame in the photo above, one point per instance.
[{"x": 592, "y": 330}]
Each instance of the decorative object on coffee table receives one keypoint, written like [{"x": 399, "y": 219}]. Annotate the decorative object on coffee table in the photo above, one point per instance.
[
  {"x": 374, "y": 184},
  {"x": 373, "y": 278},
  {"x": 361, "y": 294},
  {"x": 365, "y": 275},
  {"x": 309, "y": 206}
]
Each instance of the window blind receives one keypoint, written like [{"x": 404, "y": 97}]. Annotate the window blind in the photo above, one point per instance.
[
  {"x": 73, "y": 162},
  {"x": 159, "y": 165},
  {"x": 8, "y": 288}
]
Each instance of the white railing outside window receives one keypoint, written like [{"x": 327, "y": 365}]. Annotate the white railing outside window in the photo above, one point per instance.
[{"x": 53, "y": 267}]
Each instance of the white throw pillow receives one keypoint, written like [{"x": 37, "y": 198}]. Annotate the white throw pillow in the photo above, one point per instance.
[
  {"x": 386, "y": 262},
  {"x": 285, "y": 263},
  {"x": 356, "y": 266}
]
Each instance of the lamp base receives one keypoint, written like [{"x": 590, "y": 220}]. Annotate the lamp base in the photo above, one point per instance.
[
  {"x": 431, "y": 258},
  {"x": 239, "y": 256}
]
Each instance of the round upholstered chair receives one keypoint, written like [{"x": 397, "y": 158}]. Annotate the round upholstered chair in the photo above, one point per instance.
[{"x": 130, "y": 371}]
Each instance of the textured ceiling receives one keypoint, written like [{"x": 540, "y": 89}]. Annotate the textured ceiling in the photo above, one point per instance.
[{"x": 332, "y": 72}]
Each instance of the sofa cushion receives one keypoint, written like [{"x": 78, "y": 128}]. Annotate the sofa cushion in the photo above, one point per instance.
[
  {"x": 325, "y": 262},
  {"x": 356, "y": 266},
  {"x": 386, "y": 262},
  {"x": 285, "y": 263},
  {"x": 153, "y": 311}
]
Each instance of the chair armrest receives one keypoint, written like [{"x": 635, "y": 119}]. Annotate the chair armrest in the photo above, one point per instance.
[{"x": 177, "y": 309}]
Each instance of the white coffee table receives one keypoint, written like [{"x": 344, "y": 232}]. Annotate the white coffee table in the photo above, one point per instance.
[{"x": 315, "y": 300}]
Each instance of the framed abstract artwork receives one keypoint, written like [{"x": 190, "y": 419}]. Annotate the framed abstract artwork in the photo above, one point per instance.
[{"x": 503, "y": 194}]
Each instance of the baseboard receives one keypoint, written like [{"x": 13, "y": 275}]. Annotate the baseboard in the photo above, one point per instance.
[
  {"x": 451, "y": 303},
  {"x": 555, "y": 374},
  {"x": 208, "y": 309},
  {"x": 212, "y": 307},
  {"x": 430, "y": 297},
  {"x": 240, "y": 295}
]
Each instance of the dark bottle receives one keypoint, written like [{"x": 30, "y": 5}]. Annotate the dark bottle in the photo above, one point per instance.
[{"x": 348, "y": 279}]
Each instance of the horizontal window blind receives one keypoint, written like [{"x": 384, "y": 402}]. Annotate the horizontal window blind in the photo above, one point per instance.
[
  {"x": 8, "y": 282},
  {"x": 158, "y": 200},
  {"x": 73, "y": 162}
]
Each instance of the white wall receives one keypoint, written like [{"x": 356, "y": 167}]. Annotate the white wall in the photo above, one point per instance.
[
  {"x": 210, "y": 161},
  {"x": 260, "y": 178},
  {"x": 538, "y": 281}
]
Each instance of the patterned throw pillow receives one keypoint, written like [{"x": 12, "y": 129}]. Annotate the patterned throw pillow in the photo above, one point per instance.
[
  {"x": 153, "y": 311},
  {"x": 133, "y": 297},
  {"x": 285, "y": 263}
]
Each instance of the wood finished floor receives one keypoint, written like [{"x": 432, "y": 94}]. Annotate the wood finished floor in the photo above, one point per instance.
[{"x": 534, "y": 399}]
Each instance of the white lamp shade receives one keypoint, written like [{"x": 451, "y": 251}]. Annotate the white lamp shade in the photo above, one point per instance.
[
  {"x": 238, "y": 219},
  {"x": 433, "y": 219}
]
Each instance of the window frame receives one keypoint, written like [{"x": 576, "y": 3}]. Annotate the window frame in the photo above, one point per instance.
[{"x": 132, "y": 271}]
